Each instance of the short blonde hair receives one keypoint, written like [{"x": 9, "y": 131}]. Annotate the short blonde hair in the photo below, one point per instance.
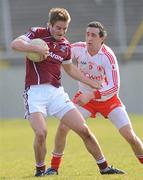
[{"x": 58, "y": 14}]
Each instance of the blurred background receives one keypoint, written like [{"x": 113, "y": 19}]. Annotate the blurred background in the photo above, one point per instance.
[{"x": 123, "y": 20}]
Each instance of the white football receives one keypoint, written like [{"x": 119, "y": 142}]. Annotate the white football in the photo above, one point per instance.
[{"x": 33, "y": 56}]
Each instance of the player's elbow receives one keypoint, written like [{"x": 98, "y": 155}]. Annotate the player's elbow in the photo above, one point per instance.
[
  {"x": 17, "y": 44},
  {"x": 69, "y": 69},
  {"x": 116, "y": 89},
  {"x": 13, "y": 45}
]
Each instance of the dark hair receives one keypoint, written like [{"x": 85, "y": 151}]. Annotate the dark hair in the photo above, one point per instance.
[
  {"x": 96, "y": 24},
  {"x": 58, "y": 14}
]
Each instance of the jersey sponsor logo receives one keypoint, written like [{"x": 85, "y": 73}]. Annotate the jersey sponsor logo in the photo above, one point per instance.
[
  {"x": 55, "y": 56},
  {"x": 83, "y": 62},
  {"x": 99, "y": 77},
  {"x": 62, "y": 48}
]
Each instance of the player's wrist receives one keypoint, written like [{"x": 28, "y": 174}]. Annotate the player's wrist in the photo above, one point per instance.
[
  {"x": 91, "y": 95},
  {"x": 97, "y": 94}
]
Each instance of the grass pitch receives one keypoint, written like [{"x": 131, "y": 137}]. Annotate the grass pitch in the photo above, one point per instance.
[{"x": 17, "y": 157}]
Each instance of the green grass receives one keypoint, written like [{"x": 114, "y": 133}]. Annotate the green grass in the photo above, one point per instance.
[{"x": 17, "y": 158}]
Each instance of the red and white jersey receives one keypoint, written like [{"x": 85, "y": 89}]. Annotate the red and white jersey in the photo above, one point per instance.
[
  {"x": 102, "y": 67},
  {"x": 49, "y": 70}
]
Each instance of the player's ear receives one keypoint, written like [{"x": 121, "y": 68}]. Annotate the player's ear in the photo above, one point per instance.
[
  {"x": 50, "y": 25},
  {"x": 103, "y": 39}
]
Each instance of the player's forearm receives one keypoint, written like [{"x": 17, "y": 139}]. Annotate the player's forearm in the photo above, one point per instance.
[
  {"x": 23, "y": 46},
  {"x": 82, "y": 78},
  {"x": 74, "y": 72},
  {"x": 77, "y": 75}
]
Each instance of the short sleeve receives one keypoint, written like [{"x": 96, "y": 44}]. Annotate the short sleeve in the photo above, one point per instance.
[{"x": 68, "y": 59}]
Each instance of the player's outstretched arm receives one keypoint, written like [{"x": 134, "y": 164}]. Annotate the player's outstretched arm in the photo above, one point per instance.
[{"x": 73, "y": 71}]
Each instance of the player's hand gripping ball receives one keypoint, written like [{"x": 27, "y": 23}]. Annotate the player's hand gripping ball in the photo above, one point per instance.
[{"x": 33, "y": 56}]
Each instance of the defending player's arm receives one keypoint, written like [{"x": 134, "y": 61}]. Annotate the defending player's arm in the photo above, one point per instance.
[{"x": 73, "y": 71}]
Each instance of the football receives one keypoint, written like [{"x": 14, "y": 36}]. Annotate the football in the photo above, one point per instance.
[{"x": 33, "y": 56}]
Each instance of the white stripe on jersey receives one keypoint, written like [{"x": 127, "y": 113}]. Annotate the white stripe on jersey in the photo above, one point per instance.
[
  {"x": 28, "y": 34},
  {"x": 38, "y": 77},
  {"x": 25, "y": 38}
]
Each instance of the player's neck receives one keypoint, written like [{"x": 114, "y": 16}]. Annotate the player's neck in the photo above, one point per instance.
[{"x": 93, "y": 51}]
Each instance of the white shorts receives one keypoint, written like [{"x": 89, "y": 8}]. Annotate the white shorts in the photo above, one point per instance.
[{"x": 48, "y": 100}]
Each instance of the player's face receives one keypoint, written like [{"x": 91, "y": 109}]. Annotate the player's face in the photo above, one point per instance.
[
  {"x": 93, "y": 40},
  {"x": 59, "y": 29}
]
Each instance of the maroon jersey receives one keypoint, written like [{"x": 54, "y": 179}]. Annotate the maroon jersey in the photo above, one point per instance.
[{"x": 49, "y": 70}]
